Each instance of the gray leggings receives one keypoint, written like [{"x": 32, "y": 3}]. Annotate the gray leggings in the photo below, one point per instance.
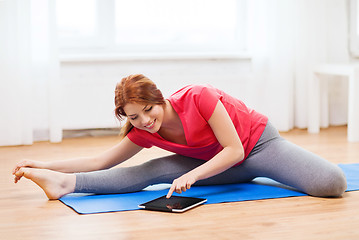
[{"x": 272, "y": 157}]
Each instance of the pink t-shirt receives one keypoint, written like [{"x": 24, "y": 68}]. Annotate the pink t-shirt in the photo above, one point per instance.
[{"x": 194, "y": 105}]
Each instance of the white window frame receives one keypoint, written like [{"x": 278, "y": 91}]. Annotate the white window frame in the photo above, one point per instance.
[
  {"x": 105, "y": 49},
  {"x": 353, "y": 28}
]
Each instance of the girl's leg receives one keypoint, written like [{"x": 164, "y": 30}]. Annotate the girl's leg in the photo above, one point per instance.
[
  {"x": 161, "y": 170},
  {"x": 129, "y": 179},
  {"x": 278, "y": 159}
]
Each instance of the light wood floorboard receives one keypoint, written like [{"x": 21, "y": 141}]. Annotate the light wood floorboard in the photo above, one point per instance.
[{"x": 25, "y": 212}]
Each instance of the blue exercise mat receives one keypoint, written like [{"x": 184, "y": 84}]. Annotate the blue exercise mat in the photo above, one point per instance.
[{"x": 260, "y": 188}]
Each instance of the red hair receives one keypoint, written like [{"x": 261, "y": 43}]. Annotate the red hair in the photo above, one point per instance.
[{"x": 135, "y": 89}]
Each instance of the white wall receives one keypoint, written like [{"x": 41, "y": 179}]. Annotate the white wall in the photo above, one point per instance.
[{"x": 87, "y": 88}]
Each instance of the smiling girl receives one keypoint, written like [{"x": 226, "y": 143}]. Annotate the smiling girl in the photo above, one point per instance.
[{"x": 215, "y": 138}]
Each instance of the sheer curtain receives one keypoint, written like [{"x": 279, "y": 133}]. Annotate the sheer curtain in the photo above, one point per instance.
[
  {"x": 288, "y": 39},
  {"x": 28, "y": 66}
]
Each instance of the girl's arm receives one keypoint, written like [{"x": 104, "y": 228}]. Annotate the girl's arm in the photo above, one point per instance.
[
  {"x": 231, "y": 154},
  {"x": 115, "y": 155}
]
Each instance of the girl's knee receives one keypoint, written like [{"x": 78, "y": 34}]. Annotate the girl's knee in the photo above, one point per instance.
[{"x": 333, "y": 186}]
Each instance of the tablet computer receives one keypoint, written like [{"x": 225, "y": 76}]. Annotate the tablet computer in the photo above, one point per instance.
[{"x": 172, "y": 204}]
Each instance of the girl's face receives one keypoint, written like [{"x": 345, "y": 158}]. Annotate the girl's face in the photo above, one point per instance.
[{"x": 145, "y": 117}]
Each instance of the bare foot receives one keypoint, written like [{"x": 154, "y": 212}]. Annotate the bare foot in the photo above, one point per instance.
[{"x": 55, "y": 184}]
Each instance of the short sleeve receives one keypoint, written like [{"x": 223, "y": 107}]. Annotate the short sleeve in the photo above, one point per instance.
[
  {"x": 207, "y": 101},
  {"x": 138, "y": 137}
]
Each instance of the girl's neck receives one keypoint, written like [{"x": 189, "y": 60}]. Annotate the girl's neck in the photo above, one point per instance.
[
  {"x": 172, "y": 129},
  {"x": 171, "y": 119}
]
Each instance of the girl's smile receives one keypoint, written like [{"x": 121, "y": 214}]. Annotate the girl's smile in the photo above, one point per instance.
[{"x": 151, "y": 125}]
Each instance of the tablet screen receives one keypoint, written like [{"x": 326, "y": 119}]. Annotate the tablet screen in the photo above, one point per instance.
[{"x": 173, "y": 204}]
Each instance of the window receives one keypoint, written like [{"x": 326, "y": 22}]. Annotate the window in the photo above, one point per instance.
[
  {"x": 152, "y": 28},
  {"x": 77, "y": 22},
  {"x": 354, "y": 28}
]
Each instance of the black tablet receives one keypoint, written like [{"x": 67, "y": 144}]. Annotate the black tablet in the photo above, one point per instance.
[{"x": 172, "y": 204}]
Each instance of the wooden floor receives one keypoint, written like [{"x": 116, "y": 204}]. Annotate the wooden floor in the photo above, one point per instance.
[{"x": 25, "y": 212}]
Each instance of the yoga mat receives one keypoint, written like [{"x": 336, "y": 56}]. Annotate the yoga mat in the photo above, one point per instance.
[{"x": 259, "y": 188}]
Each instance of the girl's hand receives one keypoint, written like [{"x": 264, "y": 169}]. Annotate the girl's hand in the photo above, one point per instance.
[
  {"x": 26, "y": 163},
  {"x": 181, "y": 184}
]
